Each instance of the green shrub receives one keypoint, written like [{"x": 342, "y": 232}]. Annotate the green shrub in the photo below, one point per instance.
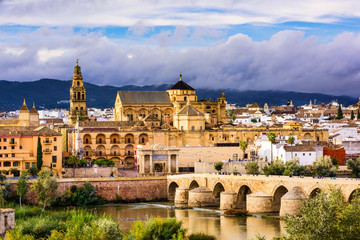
[
  {"x": 275, "y": 168},
  {"x": 79, "y": 196},
  {"x": 236, "y": 212},
  {"x": 252, "y": 167},
  {"x": 156, "y": 228},
  {"x": 201, "y": 236},
  {"x": 103, "y": 162}
]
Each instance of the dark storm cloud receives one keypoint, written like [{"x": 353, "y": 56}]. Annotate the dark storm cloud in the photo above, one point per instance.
[{"x": 288, "y": 61}]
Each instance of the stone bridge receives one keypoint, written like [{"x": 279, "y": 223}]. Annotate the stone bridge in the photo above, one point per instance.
[{"x": 255, "y": 193}]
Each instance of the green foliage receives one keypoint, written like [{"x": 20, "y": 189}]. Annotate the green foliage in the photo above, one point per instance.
[
  {"x": 218, "y": 166},
  {"x": 252, "y": 167},
  {"x": 79, "y": 196},
  {"x": 21, "y": 186},
  {"x": 271, "y": 137},
  {"x": 39, "y": 155},
  {"x": 326, "y": 217},
  {"x": 354, "y": 167},
  {"x": 322, "y": 166},
  {"x": 335, "y": 161},
  {"x": 243, "y": 146},
  {"x": 156, "y": 228},
  {"x": 103, "y": 162},
  {"x": 201, "y": 236},
  {"x": 358, "y": 115},
  {"x": 254, "y": 120},
  {"x": 290, "y": 140},
  {"x": 45, "y": 187},
  {"x": 73, "y": 160},
  {"x": 33, "y": 171},
  {"x": 80, "y": 225},
  {"x": 340, "y": 113},
  {"x": 275, "y": 168},
  {"x": 352, "y": 116},
  {"x": 15, "y": 172},
  {"x": 293, "y": 168},
  {"x": 82, "y": 162},
  {"x": 236, "y": 212}
]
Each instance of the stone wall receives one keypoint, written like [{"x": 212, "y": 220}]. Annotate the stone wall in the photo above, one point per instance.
[
  {"x": 208, "y": 167},
  {"x": 128, "y": 188},
  {"x": 189, "y": 155},
  {"x": 90, "y": 172},
  {"x": 7, "y": 220}
]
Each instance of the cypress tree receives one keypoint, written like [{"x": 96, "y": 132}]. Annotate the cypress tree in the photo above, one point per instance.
[
  {"x": 340, "y": 113},
  {"x": 358, "y": 115},
  {"x": 352, "y": 117},
  {"x": 39, "y": 156}
]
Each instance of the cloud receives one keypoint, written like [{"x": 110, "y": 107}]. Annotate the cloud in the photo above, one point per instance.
[
  {"x": 138, "y": 29},
  {"x": 287, "y": 61},
  {"x": 172, "y": 13}
]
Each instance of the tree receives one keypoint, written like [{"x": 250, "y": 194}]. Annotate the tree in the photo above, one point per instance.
[
  {"x": 243, "y": 145},
  {"x": 275, "y": 168},
  {"x": 33, "y": 171},
  {"x": 326, "y": 217},
  {"x": 293, "y": 168},
  {"x": 218, "y": 166},
  {"x": 45, "y": 187},
  {"x": 73, "y": 161},
  {"x": 2, "y": 190},
  {"x": 340, "y": 113},
  {"x": 358, "y": 115},
  {"x": 322, "y": 166},
  {"x": 39, "y": 155},
  {"x": 272, "y": 139},
  {"x": 15, "y": 172},
  {"x": 254, "y": 120},
  {"x": 291, "y": 141},
  {"x": 21, "y": 186},
  {"x": 354, "y": 167},
  {"x": 352, "y": 116},
  {"x": 252, "y": 167}
]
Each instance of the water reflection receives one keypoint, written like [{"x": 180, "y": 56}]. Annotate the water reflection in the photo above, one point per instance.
[{"x": 197, "y": 220}]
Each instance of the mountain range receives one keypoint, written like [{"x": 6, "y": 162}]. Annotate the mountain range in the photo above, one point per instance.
[{"x": 53, "y": 93}]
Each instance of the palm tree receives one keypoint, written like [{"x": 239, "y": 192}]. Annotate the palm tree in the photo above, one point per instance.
[
  {"x": 271, "y": 137},
  {"x": 291, "y": 141},
  {"x": 74, "y": 161},
  {"x": 243, "y": 145}
]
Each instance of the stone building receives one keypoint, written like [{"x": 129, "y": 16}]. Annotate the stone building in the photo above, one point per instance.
[
  {"x": 77, "y": 96},
  {"x": 7, "y": 220},
  {"x": 27, "y": 118},
  {"x": 136, "y": 106}
]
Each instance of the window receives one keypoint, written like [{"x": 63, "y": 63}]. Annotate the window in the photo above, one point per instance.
[
  {"x": 7, "y": 164},
  {"x": 13, "y": 155},
  {"x": 81, "y": 108},
  {"x": 15, "y": 164},
  {"x": 129, "y": 153},
  {"x": 303, "y": 154},
  {"x": 54, "y": 165},
  {"x": 0, "y": 147},
  {"x": 0, "y": 164},
  {"x": 27, "y": 165},
  {"x": 20, "y": 147},
  {"x": 184, "y": 98},
  {"x": 54, "y": 139},
  {"x": 182, "y": 128},
  {"x": 100, "y": 140},
  {"x": 4, "y": 139},
  {"x": 4, "y": 147},
  {"x": 12, "y": 147},
  {"x": 54, "y": 159},
  {"x": 114, "y": 140},
  {"x": 33, "y": 164},
  {"x": 55, "y": 148},
  {"x": 212, "y": 138},
  {"x": 12, "y": 141},
  {"x": 76, "y": 108},
  {"x": 192, "y": 128},
  {"x": 78, "y": 83},
  {"x": 309, "y": 154},
  {"x": 142, "y": 140},
  {"x": 295, "y": 154},
  {"x": 6, "y": 155},
  {"x": 200, "y": 128},
  {"x": 86, "y": 140},
  {"x": 0, "y": 155}
]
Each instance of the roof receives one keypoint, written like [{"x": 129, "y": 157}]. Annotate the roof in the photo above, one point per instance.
[
  {"x": 299, "y": 148},
  {"x": 189, "y": 110},
  {"x": 99, "y": 130},
  {"x": 181, "y": 85},
  {"x": 144, "y": 97},
  {"x": 24, "y": 108},
  {"x": 254, "y": 105},
  {"x": 151, "y": 118},
  {"x": 28, "y": 131},
  {"x": 291, "y": 123},
  {"x": 107, "y": 124}
]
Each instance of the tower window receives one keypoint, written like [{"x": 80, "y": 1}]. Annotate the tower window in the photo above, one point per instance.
[
  {"x": 184, "y": 98},
  {"x": 78, "y": 83},
  {"x": 78, "y": 94},
  {"x": 74, "y": 95},
  {"x": 83, "y": 96}
]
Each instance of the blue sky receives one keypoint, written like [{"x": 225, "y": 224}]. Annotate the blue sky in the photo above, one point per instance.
[{"x": 308, "y": 46}]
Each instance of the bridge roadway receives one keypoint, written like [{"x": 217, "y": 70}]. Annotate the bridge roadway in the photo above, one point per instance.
[{"x": 264, "y": 192}]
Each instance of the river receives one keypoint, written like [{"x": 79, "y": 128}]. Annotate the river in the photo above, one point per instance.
[{"x": 197, "y": 220}]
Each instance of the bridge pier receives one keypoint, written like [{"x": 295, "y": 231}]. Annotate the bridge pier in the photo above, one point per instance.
[
  {"x": 259, "y": 202},
  {"x": 291, "y": 202},
  {"x": 201, "y": 197},
  {"x": 181, "y": 197},
  {"x": 227, "y": 199}
]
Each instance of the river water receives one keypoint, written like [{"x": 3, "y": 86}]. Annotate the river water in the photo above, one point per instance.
[{"x": 197, "y": 220}]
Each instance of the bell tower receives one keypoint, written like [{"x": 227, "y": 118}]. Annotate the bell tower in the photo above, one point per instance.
[{"x": 77, "y": 97}]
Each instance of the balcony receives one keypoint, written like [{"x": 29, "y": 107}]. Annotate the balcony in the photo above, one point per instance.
[
  {"x": 87, "y": 141},
  {"x": 12, "y": 142},
  {"x": 115, "y": 154},
  {"x": 47, "y": 141},
  {"x": 47, "y": 151},
  {"x": 101, "y": 142},
  {"x": 129, "y": 154},
  {"x": 115, "y": 142},
  {"x": 100, "y": 154}
]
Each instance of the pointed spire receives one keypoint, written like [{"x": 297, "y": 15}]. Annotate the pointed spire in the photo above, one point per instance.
[
  {"x": 77, "y": 70},
  {"x": 180, "y": 79},
  {"x": 24, "y": 107},
  {"x": 33, "y": 110}
]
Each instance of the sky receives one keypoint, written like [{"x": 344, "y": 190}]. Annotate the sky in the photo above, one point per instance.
[{"x": 305, "y": 46}]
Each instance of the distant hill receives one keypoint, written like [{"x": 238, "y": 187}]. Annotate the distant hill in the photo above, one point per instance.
[{"x": 48, "y": 92}]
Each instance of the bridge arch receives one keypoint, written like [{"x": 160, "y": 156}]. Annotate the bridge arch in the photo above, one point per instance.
[
  {"x": 172, "y": 190},
  {"x": 315, "y": 191},
  {"x": 218, "y": 188},
  {"x": 278, "y": 193},
  {"x": 241, "y": 196},
  {"x": 353, "y": 194},
  {"x": 194, "y": 184}
]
